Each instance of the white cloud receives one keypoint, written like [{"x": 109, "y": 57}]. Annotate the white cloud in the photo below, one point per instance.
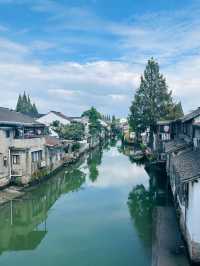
[
  {"x": 121, "y": 176},
  {"x": 171, "y": 37},
  {"x": 94, "y": 83},
  {"x": 118, "y": 97}
]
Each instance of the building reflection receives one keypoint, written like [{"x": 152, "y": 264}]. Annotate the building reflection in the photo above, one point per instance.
[{"x": 23, "y": 222}]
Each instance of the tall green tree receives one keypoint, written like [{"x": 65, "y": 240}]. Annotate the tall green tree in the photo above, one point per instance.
[
  {"x": 152, "y": 101},
  {"x": 19, "y": 103},
  {"x": 25, "y": 106},
  {"x": 175, "y": 111}
]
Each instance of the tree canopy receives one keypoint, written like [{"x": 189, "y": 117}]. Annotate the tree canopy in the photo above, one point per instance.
[
  {"x": 94, "y": 116},
  {"x": 25, "y": 106},
  {"x": 73, "y": 131},
  {"x": 152, "y": 101}
]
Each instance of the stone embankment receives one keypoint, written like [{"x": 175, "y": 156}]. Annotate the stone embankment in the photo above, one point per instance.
[{"x": 168, "y": 247}]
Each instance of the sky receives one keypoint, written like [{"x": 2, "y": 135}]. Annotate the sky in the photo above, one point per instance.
[{"x": 70, "y": 55}]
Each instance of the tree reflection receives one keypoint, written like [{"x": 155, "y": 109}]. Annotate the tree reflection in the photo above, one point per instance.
[
  {"x": 74, "y": 180},
  {"x": 140, "y": 204},
  {"x": 94, "y": 160},
  {"x": 142, "y": 201},
  {"x": 23, "y": 221},
  {"x": 113, "y": 142}
]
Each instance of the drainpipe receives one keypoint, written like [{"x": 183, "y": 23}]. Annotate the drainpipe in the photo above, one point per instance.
[
  {"x": 11, "y": 212},
  {"x": 10, "y": 163}
]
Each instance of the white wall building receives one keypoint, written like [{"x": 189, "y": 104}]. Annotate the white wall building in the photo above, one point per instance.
[{"x": 52, "y": 116}]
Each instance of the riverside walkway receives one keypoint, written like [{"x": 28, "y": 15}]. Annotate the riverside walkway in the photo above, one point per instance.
[{"x": 168, "y": 247}]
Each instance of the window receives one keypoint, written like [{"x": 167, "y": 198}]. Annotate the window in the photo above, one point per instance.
[
  {"x": 161, "y": 129},
  {"x": 36, "y": 156},
  {"x": 5, "y": 161},
  {"x": 15, "y": 159},
  {"x": 186, "y": 195},
  {"x": 7, "y": 133}
]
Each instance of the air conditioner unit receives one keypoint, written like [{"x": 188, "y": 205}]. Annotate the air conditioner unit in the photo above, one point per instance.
[{"x": 42, "y": 164}]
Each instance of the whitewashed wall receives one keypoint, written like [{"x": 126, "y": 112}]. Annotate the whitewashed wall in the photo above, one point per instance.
[
  {"x": 193, "y": 213},
  {"x": 50, "y": 118}
]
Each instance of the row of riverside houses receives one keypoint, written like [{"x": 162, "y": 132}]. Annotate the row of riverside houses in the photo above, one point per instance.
[
  {"x": 177, "y": 143},
  {"x": 28, "y": 152}
]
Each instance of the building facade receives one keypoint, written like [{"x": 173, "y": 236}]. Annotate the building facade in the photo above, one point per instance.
[
  {"x": 25, "y": 149},
  {"x": 182, "y": 156}
]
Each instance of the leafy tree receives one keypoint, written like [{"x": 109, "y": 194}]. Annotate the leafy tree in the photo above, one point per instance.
[
  {"x": 152, "y": 101},
  {"x": 55, "y": 124},
  {"x": 175, "y": 111},
  {"x": 94, "y": 116},
  {"x": 74, "y": 131},
  {"x": 57, "y": 127}
]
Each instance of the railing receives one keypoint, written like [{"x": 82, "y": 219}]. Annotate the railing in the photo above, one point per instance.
[
  {"x": 17, "y": 172},
  {"x": 31, "y": 136},
  {"x": 28, "y": 143}
]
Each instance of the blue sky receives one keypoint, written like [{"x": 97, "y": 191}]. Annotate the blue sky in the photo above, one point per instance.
[{"x": 69, "y": 55}]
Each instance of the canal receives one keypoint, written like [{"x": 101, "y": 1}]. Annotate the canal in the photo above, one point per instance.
[{"x": 98, "y": 212}]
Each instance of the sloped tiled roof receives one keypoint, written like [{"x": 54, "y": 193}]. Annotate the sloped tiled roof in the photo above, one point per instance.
[
  {"x": 175, "y": 145},
  {"x": 8, "y": 116},
  {"x": 191, "y": 115},
  {"x": 52, "y": 141},
  {"x": 60, "y": 115},
  {"x": 187, "y": 165}
]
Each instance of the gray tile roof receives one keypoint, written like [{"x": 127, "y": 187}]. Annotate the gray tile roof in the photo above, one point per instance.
[
  {"x": 61, "y": 115},
  {"x": 69, "y": 118},
  {"x": 187, "y": 165},
  {"x": 11, "y": 117},
  {"x": 191, "y": 115},
  {"x": 52, "y": 141},
  {"x": 175, "y": 145}
]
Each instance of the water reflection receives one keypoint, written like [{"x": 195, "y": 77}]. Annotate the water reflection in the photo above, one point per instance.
[
  {"x": 140, "y": 203},
  {"x": 142, "y": 200},
  {"x": 84, "y": 228},
  {"x": 93, "y": 161},
  {"x": 23, "y": 221}
]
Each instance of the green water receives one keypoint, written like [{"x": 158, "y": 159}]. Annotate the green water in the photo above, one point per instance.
[{"x": 97, "y": 213}]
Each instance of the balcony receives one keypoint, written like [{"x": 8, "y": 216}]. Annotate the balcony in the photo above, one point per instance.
[
  {"x": 21, "y": 143},
  {"x": 29, "y": 133}
]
